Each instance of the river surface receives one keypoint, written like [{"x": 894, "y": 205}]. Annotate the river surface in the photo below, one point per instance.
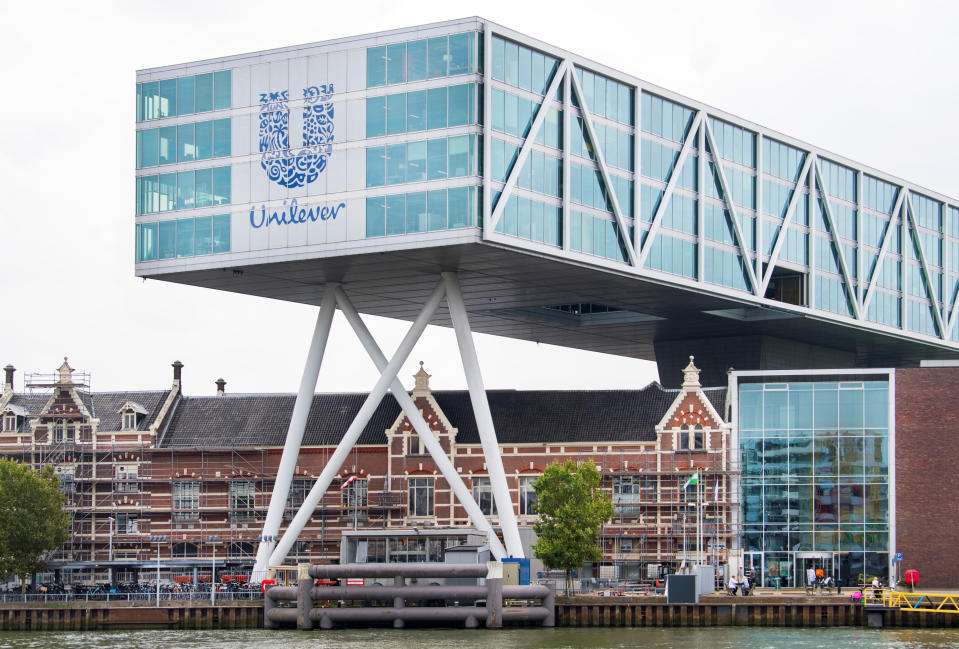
[{"x": 701, "y": 638}]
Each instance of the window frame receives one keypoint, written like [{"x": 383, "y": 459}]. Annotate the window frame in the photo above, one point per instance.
[{"x": 428, "y": 486}]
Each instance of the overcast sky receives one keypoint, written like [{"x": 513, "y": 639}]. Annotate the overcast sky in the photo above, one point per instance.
[{"x": 873, "y": 81}]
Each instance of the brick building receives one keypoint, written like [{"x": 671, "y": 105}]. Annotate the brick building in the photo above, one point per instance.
[{"x": 199, "y": 471}]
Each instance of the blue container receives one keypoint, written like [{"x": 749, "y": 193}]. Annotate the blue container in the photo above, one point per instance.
[{"x": 523, "y": 570}]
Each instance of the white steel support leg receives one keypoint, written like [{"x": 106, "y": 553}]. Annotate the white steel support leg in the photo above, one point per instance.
[
  {"x": 484, "y": 419},
  {"x": 443, "y": 462},
  {"x": 294, "y": 434},
  {"x": 356, "y": 428}
]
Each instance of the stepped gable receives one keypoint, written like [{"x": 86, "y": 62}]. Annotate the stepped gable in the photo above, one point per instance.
[{"x": 534, "y": 416}]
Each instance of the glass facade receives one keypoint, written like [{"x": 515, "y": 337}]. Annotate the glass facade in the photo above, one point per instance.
[
  {"x": 196, "y": 93},
  {"x": 421, "y": 110},
  {"x": 815, "y": 478},
  {"x": 427, "y": 211},
  {"x": 183, "y": 143},
  {"x": 202, "y": 235},
  {"x": 428, "y": 58},
  {"x": 183, "y": 190}
]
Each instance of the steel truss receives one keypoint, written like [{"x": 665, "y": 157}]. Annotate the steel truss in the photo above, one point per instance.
[
  {"x": 272, "y": 550},
  {"x": 757, "y": 266}
]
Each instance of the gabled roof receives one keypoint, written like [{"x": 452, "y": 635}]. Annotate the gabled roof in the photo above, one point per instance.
[
  {"x": 103, "y": 405},
  {"x": 520, "y": 417}
]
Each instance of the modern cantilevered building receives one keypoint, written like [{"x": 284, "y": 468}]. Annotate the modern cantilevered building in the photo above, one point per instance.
[{"x": 548, "y": 197}]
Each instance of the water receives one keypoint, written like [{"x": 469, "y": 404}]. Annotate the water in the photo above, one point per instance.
[{"x": 701, "y": 638}]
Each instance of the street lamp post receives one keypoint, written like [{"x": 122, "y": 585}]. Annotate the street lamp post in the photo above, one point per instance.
[
  {"x": 158, "y": 540},
  {"x": 213, "y": 541}
]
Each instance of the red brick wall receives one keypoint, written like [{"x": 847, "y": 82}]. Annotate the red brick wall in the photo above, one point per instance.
[{"x": 927, "y": 492}]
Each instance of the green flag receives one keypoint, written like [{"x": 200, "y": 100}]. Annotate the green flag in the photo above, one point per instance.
[{"x": 693, "y": 479}]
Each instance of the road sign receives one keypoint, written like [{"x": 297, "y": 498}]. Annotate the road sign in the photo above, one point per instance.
[
  {"x": 899, "y": 556},
  {"x": 354, "y": 582}
]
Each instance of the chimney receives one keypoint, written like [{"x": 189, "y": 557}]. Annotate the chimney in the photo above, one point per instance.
[
  {"x": 220, "y": 387},
  {"x": 177, "y": 373},
  {"x": 8, "y": 378}
]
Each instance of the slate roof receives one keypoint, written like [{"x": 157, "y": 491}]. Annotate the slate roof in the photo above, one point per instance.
[
  {"x": 520, "y": 417},
  {"x": 103, "y": 405}
]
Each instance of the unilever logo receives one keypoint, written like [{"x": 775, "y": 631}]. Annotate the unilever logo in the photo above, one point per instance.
[
  {"x": 289, "y": 169},
  {"x": 283, "y": 166}
]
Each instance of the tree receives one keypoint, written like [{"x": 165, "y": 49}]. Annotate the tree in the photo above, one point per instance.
[
  {"x": 571, "y": 508},
  {"x": 32, "y": 521}
]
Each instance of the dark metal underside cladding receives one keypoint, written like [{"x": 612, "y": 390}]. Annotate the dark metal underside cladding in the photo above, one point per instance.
[
  {"x": 526, "y": 417},
  {"x": 504, "y": 288}
]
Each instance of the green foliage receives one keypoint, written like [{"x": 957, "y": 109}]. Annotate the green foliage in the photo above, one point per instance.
[
  {"x": 32, "y": 522},
  {"x": 571, "y": 508}
]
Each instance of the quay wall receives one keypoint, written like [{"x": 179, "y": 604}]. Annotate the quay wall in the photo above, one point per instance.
[{"x": 570, "y": 612}]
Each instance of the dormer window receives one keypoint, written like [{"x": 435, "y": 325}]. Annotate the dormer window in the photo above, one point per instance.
[
  {"x": 9, "y": 423},
  {"x": 132, "y": 414}
]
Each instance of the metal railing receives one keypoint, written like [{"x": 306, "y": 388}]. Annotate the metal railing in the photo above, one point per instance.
[
  {"x": 933, "y": 602},
  {"x": 204, "y": 596}
]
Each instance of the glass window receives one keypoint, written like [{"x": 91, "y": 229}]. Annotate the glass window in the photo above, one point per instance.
[
  {"x": 221, "y": 233},
  {"x": 221, "y": 185},
  {"x": 483, "y": 495},
  {"x": 459, "y": 56},
  {"x": 375, "y": 217},
  {"x": 436, "y": 159},
  {"x": 437, "y": 210},
  {"x": 395, "y": 214},
  {"x": 185, "y": 95},
  {"x": 186, "y": 145},
  {"x": 185, "y": 190},
  {"x": 421, "y": 497},
  {"x": 184, "y": 238},
  {"x": 459, "y": 105},
  {"x": 150, "y": 96},
  {"x": 221, "y": 138},
  {"x": 436, "y": 57},
  {"x": 416, "y": 111},
  {"x": 204, "y": 92},
  {"x": 396, "y": 113},
  {"x": 203, "y": 236},
  {"x": 416, "y": 214},
  {"x": 167, "y": 192},
  {"x": 204, "y": 140},
  {"x": 203, "y": 186},
  {"x": 375, "y": 66},
  {"x": 415, "y": 162},
  {"x": 459, "y": 207},
  {"x": 436, "y": 108},
  {"x": 395, "y": 62},
  {"x": 150, "y": 147},
  {"x": 395, "y": 164},
  {"x": 375, "y": 116},
  {"x": 167, "y": 147},
  {"x": 416, "y": 61},
  {"x": 527, "y": 496},
  {"x": 222, "y": 89},
  {"x": 376, "y": 166},
  {"x": 459, "y": 156},
  {"x": 167, "y": 242},
  {"x": 167, "y": 107}
]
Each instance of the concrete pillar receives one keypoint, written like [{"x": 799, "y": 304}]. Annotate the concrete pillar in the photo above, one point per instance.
[
  {"x": 494, "y": 595},
  {"x": 304, "y": 597},
  {"x": 268, "y": 605},
  {"x": 398, "y": 601}
]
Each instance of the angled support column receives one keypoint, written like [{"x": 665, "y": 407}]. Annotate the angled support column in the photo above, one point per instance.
[
  {"x": 484, "y": 419},
  {"x": 294, "y": 434},
  {"x": 356, "y": 428},
  {"x": 422, "y": 429}
]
